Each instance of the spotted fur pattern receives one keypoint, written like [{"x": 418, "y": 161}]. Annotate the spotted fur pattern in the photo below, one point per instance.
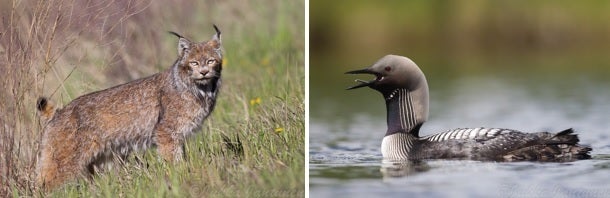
[{"x": 161, "y": 110}]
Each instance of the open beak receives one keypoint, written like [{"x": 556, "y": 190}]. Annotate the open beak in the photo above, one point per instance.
[{"x": 362, "y": 82}]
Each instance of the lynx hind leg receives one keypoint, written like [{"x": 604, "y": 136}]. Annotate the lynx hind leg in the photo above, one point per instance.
[
  {"x": 55, "y": 172},
  {"x": 61, "y": 160},
  {"x": 47, "y": 171}
]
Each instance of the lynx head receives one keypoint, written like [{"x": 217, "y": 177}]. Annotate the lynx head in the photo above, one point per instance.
[{"x": 200, "y": 62}]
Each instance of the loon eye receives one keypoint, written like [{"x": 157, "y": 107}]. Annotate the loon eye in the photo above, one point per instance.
[
  {"x": 194, "y": 63},
  {"x": 211, "y": 61},
  {"x": 388, "y": 68}
]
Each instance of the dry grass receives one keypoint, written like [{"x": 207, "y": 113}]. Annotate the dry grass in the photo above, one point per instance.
[{"x": 65, "y": 48}]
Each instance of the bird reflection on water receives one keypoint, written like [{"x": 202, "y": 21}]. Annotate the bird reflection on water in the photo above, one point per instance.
[{"x": 391, "y": 169}]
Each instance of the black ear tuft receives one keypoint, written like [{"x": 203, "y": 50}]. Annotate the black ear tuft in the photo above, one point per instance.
[
  {"x": 176, "y": 34},
  {"x": 183, "y": 43},
  {"x": 216, "y": 28},
  {"x": 217, "y": 35}
]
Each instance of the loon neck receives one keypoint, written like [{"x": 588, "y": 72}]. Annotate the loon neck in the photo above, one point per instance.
[{"x": 402, "y": 113}]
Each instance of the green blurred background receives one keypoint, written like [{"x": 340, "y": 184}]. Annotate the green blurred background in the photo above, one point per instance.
[{"x": 465, "y": 32}]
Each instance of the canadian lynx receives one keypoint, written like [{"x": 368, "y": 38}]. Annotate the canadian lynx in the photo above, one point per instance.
[{"x": 161, "y": 110}]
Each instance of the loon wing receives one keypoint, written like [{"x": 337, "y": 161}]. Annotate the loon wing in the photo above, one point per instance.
[
  {"x": 562, "y": 146},
  {"x": 504, "y": 145}
]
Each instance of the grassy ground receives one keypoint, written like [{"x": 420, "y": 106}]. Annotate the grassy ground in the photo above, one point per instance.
[{"x": 253, "y": 144}]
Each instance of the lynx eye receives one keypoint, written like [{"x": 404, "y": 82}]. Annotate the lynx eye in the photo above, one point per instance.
[
  {"x": 211, "y": 61},
  {"x": 194, "y": 63}
]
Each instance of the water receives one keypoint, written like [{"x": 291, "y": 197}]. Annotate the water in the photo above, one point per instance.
[{"x": 346, "y": 128}]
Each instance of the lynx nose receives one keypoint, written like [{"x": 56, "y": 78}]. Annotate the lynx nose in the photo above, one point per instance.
[{"x": 204, "y": 71}]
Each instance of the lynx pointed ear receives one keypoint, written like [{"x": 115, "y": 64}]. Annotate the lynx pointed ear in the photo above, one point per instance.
[
  {"x": 183, "y": 43},
  {"x": 217, "y": 35}
]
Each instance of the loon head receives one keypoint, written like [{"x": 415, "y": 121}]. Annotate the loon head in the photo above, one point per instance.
[
  {"x": 404, "y": 87},
  {"x": 391, "y": 72}
]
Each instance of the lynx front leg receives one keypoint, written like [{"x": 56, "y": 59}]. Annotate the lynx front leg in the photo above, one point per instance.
[{"x": 169, "y": 145}]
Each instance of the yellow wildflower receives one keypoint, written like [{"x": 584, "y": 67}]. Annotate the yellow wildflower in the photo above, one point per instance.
[
  {"x": 255, "y": 101},
  {"x": 279, "y": 130}
]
